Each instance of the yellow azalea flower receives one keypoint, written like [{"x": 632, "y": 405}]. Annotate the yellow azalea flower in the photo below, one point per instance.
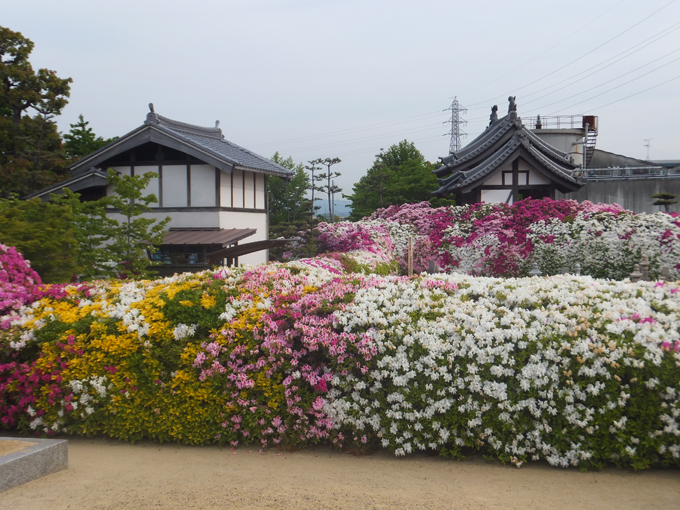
[{"x": 208, "y": 301}]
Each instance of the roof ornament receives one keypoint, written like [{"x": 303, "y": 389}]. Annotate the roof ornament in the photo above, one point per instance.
[
  {"x": 512, "y": 108},
  {"x": 217, "y": 123},
  {"x": 539, "y": 124},
  {"x": 152, "y": 116},
  {"x": 494, "y": 114}
]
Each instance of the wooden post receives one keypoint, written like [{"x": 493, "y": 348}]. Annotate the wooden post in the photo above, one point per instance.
[{"x": 410, "y": 256}]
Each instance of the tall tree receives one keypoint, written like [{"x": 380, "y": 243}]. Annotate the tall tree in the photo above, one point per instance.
[
  {"x": 330, "y": 188},
  {"x": 93, "y": 230},
  {"x": 81, "y": 140},
  {"x": 314, "y": 178},
  {"x": 136, "y": 236},
  {"x": 398, "y": 176},
  {"x": 44, "y": 233},
  {"x": 31, "y": 155},
  {"x": 290, "y": 211},
  {"x": 288, "y": 201}
]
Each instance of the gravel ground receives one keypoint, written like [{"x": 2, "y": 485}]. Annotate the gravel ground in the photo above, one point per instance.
[{"x": 106, "y": 474}]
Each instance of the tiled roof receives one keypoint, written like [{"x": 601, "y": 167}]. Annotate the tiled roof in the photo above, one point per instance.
[
  {"x": 494, "y": 146},
  {"x": 91, "y": 176},
  {"x": 222, "y": 236},
  {"x": 208, "y": 141}
]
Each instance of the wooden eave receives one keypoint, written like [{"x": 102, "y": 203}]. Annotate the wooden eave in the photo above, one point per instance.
[{"x": 244, "y": 249}]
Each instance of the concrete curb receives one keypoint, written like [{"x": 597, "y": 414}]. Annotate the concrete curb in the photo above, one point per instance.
[{"x": 48, "y": 456}]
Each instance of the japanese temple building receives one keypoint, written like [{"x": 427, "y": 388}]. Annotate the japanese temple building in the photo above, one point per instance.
[
  {"x": 506, "y": 163},
  {"x": 214, "y": 190}
]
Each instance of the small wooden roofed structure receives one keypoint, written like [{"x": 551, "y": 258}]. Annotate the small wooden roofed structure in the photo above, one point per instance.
[
  {"x": 196, "y": 249},
  {"x": 506, "y": 163}
]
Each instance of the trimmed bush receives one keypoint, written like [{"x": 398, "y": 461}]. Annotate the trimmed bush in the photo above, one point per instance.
[{"x": 570, "y": 369}]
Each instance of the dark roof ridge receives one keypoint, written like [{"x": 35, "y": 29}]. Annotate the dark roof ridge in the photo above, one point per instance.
[
  {"x": 482, "y": 142},
  {"x": 486, "y": 168},
  {"x": 183, "y": 127},
  {"x": 490, "y": 131},
  {"x": 566, "y": 173},
  {"x": 205, "y": 142},
  {"x": 546, "y": 147},
  {"x": 483, "y": 169}
]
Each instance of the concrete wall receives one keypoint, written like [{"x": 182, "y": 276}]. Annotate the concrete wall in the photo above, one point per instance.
[
  {"x": 566, "y": 140},
  {"x": 632, "y": 194}
]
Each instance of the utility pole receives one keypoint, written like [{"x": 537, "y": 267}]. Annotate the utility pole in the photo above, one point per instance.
[
  {"x": 456, "y": 122},
  {"x": 647, "y": 145}
]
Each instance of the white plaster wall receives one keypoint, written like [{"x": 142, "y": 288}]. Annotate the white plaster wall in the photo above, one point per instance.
[
  {"x": 180, "y": 219},
  {"x": 238, "y": 189},
  {"x": 231, "y": 219},
  {"x": 225, "y": 189},
  {"x": 202, "y": 186},
  {"x": 122, "y": 170},
  {"x": 496, "y": 195},
  {"x": 259, "y": 197},
  {"x": 249, "y": 185},
  {"x": 536, "y": 177},
  {"x": 175, "y": 186},
  {"x": 153, "y": 186},
  {"x": 495, "y": 179},
  {"x": 523, "y": 165}
]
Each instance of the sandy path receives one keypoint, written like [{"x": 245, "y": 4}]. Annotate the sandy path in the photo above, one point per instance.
[
  {"x": 7, "y": 447},
  {"x": 113, "y": 475}
]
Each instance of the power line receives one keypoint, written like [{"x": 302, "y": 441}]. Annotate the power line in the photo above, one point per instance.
[
  {"x": 614, "y": 79},
  {"x": 658, "y": 36},
  {"x": 366, "y": 127},
  {"x": 376, "y": 137},
  {"x": 584, "y": 55},
  {"x": 623, "y": 98},
  {"x": 405, "y": 120},
  {"x": 553, "y": 46},
  {"x": 576, "y": 77}
]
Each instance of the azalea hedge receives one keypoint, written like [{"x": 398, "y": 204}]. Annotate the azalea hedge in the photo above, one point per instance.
[
  {"x": 569, "y": 369},
  {"x": 20, "y": 285},
  {"x": 502, "y": 240}
]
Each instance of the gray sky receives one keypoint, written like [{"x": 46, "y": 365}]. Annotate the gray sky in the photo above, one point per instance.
[{"x": 344, "y": 78}]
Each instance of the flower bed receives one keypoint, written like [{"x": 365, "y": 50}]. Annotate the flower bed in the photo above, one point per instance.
[
  {"x": 501, "y": 240},
  {"x": 569, "y": 369},
  {"x": 20, "y": 285}
]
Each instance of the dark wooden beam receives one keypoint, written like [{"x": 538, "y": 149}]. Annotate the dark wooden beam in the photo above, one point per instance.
[{"x": 515, "y": 180}]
